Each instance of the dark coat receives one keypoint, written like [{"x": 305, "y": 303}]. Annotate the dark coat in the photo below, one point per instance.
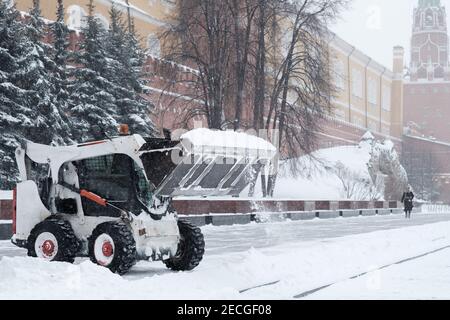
[{"x": 407, "y": 200}]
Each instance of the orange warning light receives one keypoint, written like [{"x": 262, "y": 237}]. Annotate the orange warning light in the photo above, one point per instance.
[{"x": 124, "y": 130}]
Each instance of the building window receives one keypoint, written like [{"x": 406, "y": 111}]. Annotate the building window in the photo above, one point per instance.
[
  {"x": 358, "y": 121},
  {"x": 153, "y": 46},
  {"x": 417, "y": 20},
  {"x": 429, "y": 18},
  {"x": 104, "y": 23},
  {"x": 286, "y": 41},
  {"x": 357, "y": 83},
  {"x": 373, "y": 126},
  {"x": 339, "y": 74},
  {"x": 76, "y": 17},
  {"x": 339, "y": 114},
  {"x": 441, "y": 20},
  {"x": 372, "y": 91},
  {"x": 168, "y": 5},
  {"x": 386, "y": 98}
]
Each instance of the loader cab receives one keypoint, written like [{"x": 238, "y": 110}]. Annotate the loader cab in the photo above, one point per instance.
[{"x": 115, "y": 177}]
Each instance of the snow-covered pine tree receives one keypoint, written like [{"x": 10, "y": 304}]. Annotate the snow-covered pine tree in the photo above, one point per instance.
[
  {"x": 135, "y": 53},
  {"x": 60, "y": 57},
  {"x": 36, "y": 73},
  {"x": 125, "y": 63},
  {"x": 16, "y": 115},
  {"x": 92, "y": 107},
  {"x": 60, "y": 33}
]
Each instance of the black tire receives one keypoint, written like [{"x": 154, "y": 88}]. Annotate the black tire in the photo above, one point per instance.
[
  {"x": 190, "y": 249},
  {"x": 66, "y": 247},
  {"x": 123, "y": 257}
]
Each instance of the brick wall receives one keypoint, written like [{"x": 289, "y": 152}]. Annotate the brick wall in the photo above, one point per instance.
[
  {"x": 340, "y": 133},
  {"x": 197, "y": 207},
  {"x": 200, "y": 207},
  {"x": 6, "y": 209},
  {"x": 428, "y": 160},
  {"x": 426, "y": 109}
]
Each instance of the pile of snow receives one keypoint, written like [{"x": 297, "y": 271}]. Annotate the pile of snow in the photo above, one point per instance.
[
  {"x": 226, "y": 139},
  {"x": 22, "y": 277},
  {"x": 340, "y": 173}
]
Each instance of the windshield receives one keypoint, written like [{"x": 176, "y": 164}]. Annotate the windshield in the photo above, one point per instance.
[{"x": 144, "y": 189}]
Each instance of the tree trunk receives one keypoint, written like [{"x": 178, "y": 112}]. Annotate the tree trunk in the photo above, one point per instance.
[
  {"x": 240, "y": 77},
  {"x": 260, "y": 85},
  {"x": 284, "y": 98},
  {"x": 264, "y": 185},
  {"x": 264, "y": 181},
  {"x": 273, "y": 175},
  {"x": 271, "y": 184},
  {"x": 254, "y": 179}
]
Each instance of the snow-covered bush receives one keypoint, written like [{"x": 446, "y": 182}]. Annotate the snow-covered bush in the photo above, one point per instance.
[
  {"x": 385, "y": 162},
  {"x": 357, "y": 186}
]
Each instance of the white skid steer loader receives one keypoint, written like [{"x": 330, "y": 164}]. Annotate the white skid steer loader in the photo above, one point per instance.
[{"x": 111, "y": 200}]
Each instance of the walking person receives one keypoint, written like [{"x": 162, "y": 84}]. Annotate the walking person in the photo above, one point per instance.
[{"x": 407, "y": 200}]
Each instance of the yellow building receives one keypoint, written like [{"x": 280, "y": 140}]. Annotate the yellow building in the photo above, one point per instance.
[
  {"x": 369, "y": 95},
  {"x": 149, "y": 15}
]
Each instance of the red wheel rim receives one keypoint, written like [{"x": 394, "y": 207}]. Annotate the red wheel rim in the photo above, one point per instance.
[
  {"x": 48, "y": 248},
  {"x": 107, "y": 249}
]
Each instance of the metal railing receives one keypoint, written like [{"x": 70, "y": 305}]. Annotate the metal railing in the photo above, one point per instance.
[{"x": 435, "y": 208}]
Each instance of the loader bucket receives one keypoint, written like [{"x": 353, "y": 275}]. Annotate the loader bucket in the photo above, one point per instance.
[{"x": 192, "y": 168}]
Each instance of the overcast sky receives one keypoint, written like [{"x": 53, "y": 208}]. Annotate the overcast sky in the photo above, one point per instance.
[{"x": 376, "y": 26}]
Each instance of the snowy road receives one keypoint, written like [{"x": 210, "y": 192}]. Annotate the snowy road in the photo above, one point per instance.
[
  {"x": 242, "y": 238},
  {"x": 265, "y": 261}
]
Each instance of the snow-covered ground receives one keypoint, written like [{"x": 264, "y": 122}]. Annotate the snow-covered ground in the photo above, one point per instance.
[
  {"x": 427, "y": 278},
  {"x": 290, "y": 258}
]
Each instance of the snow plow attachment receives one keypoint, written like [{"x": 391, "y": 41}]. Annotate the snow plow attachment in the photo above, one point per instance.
[{"x": 205, "y": 163}]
